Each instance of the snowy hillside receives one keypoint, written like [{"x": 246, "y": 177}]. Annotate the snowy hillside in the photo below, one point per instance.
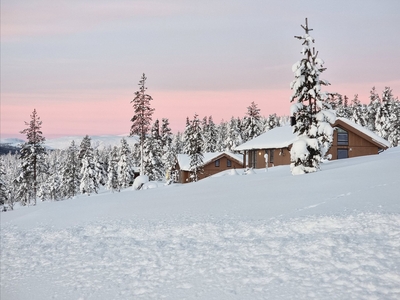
[
  {"x": 98, "y": 141},
  {"x": 334, "y": 234}
]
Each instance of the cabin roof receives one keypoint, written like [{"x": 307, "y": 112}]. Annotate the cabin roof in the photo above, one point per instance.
[
  {"x": 278, "y": 137},
  {"x": 184, "y": 159}
]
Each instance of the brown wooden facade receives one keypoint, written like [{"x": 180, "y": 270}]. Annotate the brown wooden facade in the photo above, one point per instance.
[
  {"x": 218, "y": 164},
  {"x": 348, "y": 142}
]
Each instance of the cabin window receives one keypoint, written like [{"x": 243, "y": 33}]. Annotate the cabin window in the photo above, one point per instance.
[
  {"x": 253, "y": 158},
  {"x": 342, "y": 153},
  {"x": 217, "y": 163},
  {"x": 228, "y": 163},
  {"x": 271, "y": 156},
  {"x": 342, "y": 137}
]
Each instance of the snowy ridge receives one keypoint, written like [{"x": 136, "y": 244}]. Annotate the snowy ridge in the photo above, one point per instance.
[{"x": 259, "y": 236}]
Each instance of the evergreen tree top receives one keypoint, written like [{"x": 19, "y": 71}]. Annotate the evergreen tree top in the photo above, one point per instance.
[{"x": 33, "y": 132}]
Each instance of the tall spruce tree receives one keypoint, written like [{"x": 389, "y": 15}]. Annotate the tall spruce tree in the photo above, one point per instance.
[
  {"x": 313, "y": 115},
  {"x": 152, "y": 152},
  {"x": 124, "y": 167},
  {"x": 32, "y": 156},
  {"x": 88, "y": 183},
  {"x": 141, "y": 120},
  {"x": 193, "y": 147},
  {"x": 70, "y": 171},
  {"x": 251, "y": 124}
]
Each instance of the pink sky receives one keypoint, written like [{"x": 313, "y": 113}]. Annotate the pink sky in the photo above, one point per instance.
[{"x": 79, "y": 63}]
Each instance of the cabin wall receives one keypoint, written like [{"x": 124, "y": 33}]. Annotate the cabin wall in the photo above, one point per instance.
[
  {"x": 210, "y": 169},
  {"x": 276, "y": 157},
  {"x": 357, "y": 146}
]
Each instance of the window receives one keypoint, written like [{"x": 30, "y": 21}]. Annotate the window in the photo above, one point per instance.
[
  {"x": 342, "y": 153},
  {"x": 228, "y": 163},
  {"x": 342, "y": 137},
  {"x": 253, "y": 158},
  {"x": 271, "y": 156},
  {"x": 217, "y": 163}
]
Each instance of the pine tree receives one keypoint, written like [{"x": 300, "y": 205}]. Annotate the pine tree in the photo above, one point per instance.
[
  {"x": 252, "y": 123},
  {"x": 234, "y": 137},
  {"x": 168, "y": 154},
  {"x": 312, "y": 113},
  {"x": 193, "y": 146},
  {"x": 32, "y": 157},
  {"x": 124, "y": 166},
  {"x": 152, "y": 152},
  {"x": 141, "y": 120},
  {"x": 3, "y": 185},
  {"x": 384, "y": 114},
  {"x": 88, "y": 183},
  {"x": 70, "y": 171},
  {"x": 373, "y": 107},
  {"x": 112, "y": 170}
]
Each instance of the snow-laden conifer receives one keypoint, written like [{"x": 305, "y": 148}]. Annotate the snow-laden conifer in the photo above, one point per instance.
[
  {"x": 193, "y": 147},
  {"x": 112, "y": 170},
  {"x": 70, "y": 171},
  {"x": 88, "y": 183},
  {"x": 32, "y": 157},
  {"x": 152, "y": 154},
  {"x": 313, "y": 115},
  {"x": 251, "y": 125},
  {"x": 142, "y": 117},
  {"x": 124, "y": 166}
]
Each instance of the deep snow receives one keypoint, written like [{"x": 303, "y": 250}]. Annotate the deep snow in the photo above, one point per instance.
[{"x": 269, "y": 235}]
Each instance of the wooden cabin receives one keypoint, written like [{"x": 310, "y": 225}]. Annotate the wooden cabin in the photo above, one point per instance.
[
  {"x": 213, "y": 163},
  {"x": 349, "y": 140}
]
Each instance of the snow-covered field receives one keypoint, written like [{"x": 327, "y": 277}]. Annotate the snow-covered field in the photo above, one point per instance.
[{"x": 334, "y": 234}]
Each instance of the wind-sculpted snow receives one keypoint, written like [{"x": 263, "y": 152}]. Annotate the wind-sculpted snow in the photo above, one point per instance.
[{"x": 344, "y": 256}]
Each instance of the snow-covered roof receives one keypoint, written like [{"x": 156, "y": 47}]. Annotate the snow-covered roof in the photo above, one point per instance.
[
  {"x": 376, "y": 138},
  {"x": 184, "y": 159},
  {"x": 278, "y": 137}
]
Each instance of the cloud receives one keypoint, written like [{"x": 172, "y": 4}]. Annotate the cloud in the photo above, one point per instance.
[{"x": 47, "y": 17}]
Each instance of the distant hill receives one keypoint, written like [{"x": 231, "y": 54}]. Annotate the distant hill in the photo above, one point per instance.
[
  {"x": 99, "y": 141},
  {"x": 7, "y": 148}
]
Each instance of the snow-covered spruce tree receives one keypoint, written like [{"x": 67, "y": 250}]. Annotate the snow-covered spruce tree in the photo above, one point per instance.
[
  {"x": 168, "y": 155},
  {"x": 141, "y": 120},
  {"x": 222, "y": 133},
  {"x": 271, "y": 122},
  {"x": 193, "y": 146},
  {"x": 88, "y": 183},
  {"x": 112, "y": 170},
  {"x": 51, "y": 187},
  {"x": 209, "y": 135},
  {"x": 234, "y": 137},
  {"x": 32, "y": 157},
  {"x": 385, "y": 114},
  {"x": 251, "y": 125},
  {"x": 152, "y": 154},
  {"x": 11, "y": 164},
  {"x": 373, "y": 107},
  {"x": 3, "y": 184},
  {"x": 313, "y": 115},
  {"x": 178, "y": 143},
  {"x": 70, "y": 171},
  {"x": 124, "y": 167},
  {"x": 99, "y": 166},
  {"x": 359, "y": 112}
]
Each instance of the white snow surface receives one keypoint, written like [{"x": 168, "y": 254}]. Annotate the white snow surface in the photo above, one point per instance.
[
  {"x": 278, "y": 137},
  {"x": 332, "y": 234},
  {"x": 184, "y": 159}
]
